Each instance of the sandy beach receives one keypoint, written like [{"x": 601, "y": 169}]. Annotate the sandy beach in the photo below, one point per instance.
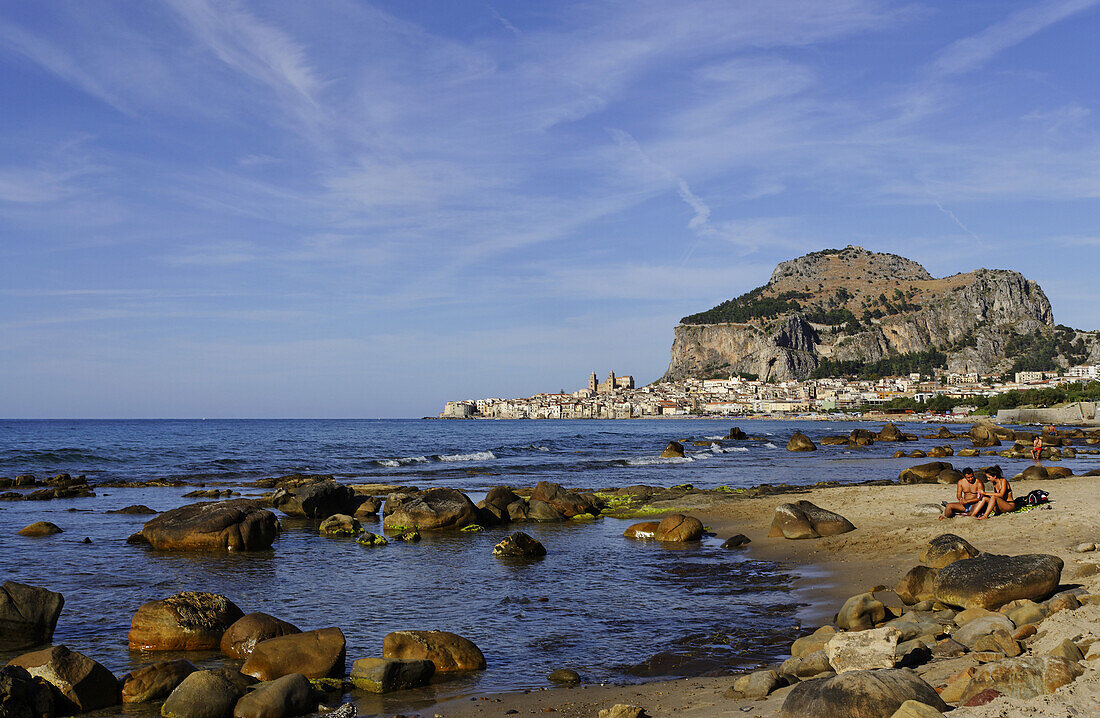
[{"x": 891, "y": 528}]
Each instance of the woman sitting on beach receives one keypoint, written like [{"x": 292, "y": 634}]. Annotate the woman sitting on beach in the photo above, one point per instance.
[
  {"x": 969, "y": 490},
  {"x": 999, "y": 500}
]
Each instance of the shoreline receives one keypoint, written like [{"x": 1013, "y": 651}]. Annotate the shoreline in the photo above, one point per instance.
[{"x": 888, "y": 536}]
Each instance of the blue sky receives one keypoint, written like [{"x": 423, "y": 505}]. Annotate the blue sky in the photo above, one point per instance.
[{"x": 354, "y": 209}]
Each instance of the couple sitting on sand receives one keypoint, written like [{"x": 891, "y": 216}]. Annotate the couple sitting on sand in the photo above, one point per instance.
[{"x": 974, "y": 500}]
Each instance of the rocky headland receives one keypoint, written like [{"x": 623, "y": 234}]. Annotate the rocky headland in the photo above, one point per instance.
[{"x": 828, "y": 308}]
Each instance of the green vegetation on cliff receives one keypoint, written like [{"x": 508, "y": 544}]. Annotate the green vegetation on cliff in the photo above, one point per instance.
[
  {"x": 923, "y": 362},
  {"x": 749, "y": 306}
]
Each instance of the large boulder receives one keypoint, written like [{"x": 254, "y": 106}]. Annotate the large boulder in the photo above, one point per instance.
[
  {"x": 946, "y": 549},
  {"x": 859, "y": 694},
  {"x": 917, "y": 584},
  {"x": 519, "y": 545},
  {"x": 85, "y": 684},
  {"x": 1023, "y": 677},
  {"x": 674, "y": 450},
  {"x": 438, "y": 508},
  {"x": 449, "y": 652},
  {"x": 923, "y": 473},
  {"x": 314, "y": 654},
  {"x": 203, "y": 694},
  {"x": 890, "y": 432},
  {"x": 241, "y": 638},
  {"x": 155, "y": 681},
  {"x": 991, "y": 580},
  {"x": 383, "y": 675},
  {"x": 28, "y": 615},
  {"x": 802, "y": 520},
  {"x": 236, "y": 525},
  {"x": 23, "y": 695},
  {"x": 317, "y": 501},
  {"x": 679, "y": 528},
  {"x": 567, "y": 503},
  {"x": 290, "y": 695},
  {"x": 642, "y": 530},
  {"x": 188, "y": 621},
  {"x": 800, "y": 442}
]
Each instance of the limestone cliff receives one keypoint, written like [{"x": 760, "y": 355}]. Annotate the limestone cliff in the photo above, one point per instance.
[{"x": 839, "y": 311}]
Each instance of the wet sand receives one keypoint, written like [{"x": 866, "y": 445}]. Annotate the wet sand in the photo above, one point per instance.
[{"x": 890, "y": 532}]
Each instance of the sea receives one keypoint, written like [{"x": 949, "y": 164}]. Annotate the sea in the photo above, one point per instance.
[{"x": 612, "y": 609}]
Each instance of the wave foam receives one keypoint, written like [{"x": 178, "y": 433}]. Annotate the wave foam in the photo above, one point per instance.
[{"x": 476, "y": 456}]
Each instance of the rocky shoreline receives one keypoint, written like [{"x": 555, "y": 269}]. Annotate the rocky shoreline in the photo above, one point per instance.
[{"x": 905, "y": 624}]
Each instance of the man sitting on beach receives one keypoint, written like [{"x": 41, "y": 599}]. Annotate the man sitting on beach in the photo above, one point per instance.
[
  {"x": 969, "y": 491},
  {"x": 999, "y": 500}
]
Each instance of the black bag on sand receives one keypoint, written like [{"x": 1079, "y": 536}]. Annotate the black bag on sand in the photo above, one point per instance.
[{"x": 1036, "y": 497}]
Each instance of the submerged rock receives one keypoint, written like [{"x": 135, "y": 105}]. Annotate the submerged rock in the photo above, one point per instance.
[
  {"x": 188, "y": 621},
  {"x": 28, "y": 615},
  {"x": 448, "y": 651},
  {"x": 155, "y": 681},
  {"x": 240, "y": 639},
  {"x": 438, "y": 508},
  {"x": 384, "y": 675},
  {"x": 800, "y": 442},
  {"x": 40, "y": 528},
  {"x": 679, "y": 528},
  {"x": 314, "y": 654},
  {"x": 519, "y": 545},
  {"x": 236, "y": 525},
  {"x": 674, "y": 450},
  {"x": 317, "y": 501}
]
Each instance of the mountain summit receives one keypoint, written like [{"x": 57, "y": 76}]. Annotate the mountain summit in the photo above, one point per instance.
[{"x": 851, "y": 311}]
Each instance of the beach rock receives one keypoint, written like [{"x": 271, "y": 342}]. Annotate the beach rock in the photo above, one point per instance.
[
  {"x": 83, "y": 683},
  {"x": 890, "y": 432},
  {"x": 369, "y": 508},
  {"x": 449, "y": 652},
  {"x": 736, "y": 435},
  {"x": 368, "y": 539},
  {"x": 917, "y": 454},
  {"x": 290, "y": 695},
  {"x": 23, "y": 695},
  {"x": 834, "y": 441},
  {"x": 189, "y": 621},
  {"x": 1000, "y": 642},
  {"x": 802, "y": 520},
  {"x": 923, "y": 473},
  {"x": 642, "y": 530},
  {"x": 316, "y": 501},
  {"x": 40, "y": 528},
  {"x": 946, "y": 549},
  {"x": 1035, "y": 472},
  {"x": 927, "y": 509},
  {"x": 438, "y": 508},
  {"x": 340, "y": 525},
  {"x": 519, "y": 545},
  {"x": 970, "y": 633},
  {"x": 860, "y": 613},
  {"x": 1023, "y": 677},
  {"x": 241, "y": 637},
  {"x": 542, "y": 512},
  {"x": 814, "y": 642},
  {"x": 384, "y": 675},
  {"x": 916, "y": 709},
  {"x": 757, "y": 684},
  {"x": 155, "y": 681},
  {"x": 1064, "y": 601},
  {"x": 991, "y": 580},
  {"x": 1023, "y": 611},
  {"x": 1068, "y": 650},
  {"x": 800, "y": 442},
  {"x": 1061, "y": 472},
  {"x": 28, "y": 615},
  {"x": 859, "y": 694},
  {"x": 567, "y": 503},
  {"x": 813, "y": 664},
  {"x": 622, "y": 710},
  {"x": 674, "y": 450},
  {"x": 679, "y": 528},
  {"x": 564, "y": 676},
  {"x": 203, "y": 694},
  {"x": 949, "y": 477},
  {"x": 863, "y": 650},
  {"x": 967, "y": 452},
  {"x": 314, "y": 654},
  {"x": 236, "y": 525},
  {"x": 736, "y": 541}
]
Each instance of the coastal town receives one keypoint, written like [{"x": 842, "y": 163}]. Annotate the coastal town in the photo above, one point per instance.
[{"x": 618, "y": 398}]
